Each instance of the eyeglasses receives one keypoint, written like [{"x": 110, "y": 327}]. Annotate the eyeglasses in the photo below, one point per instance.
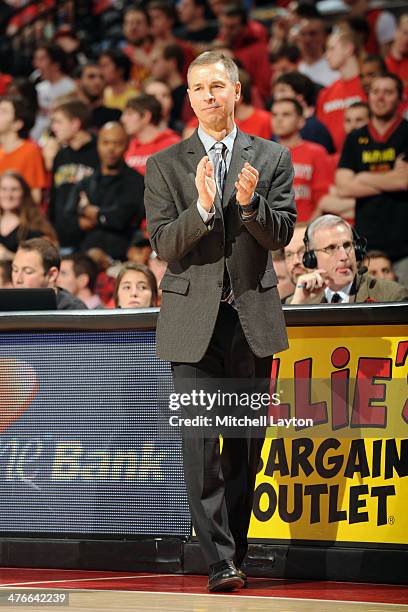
[
  {"x": 333, "y": 248},
  {"x": 291, "y": 254}
]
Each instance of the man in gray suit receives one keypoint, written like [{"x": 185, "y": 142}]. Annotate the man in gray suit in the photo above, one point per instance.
[{"x": 216, "y": 205}]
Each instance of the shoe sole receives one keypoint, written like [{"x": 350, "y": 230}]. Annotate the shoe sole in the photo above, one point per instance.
[{"x": 227, "y": 585}]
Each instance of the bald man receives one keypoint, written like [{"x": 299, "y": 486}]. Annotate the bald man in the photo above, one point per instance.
[{"x": 107, "y": 207}]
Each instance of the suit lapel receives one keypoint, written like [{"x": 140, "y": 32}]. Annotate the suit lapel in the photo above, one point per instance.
[
  {"x": 194, "y": 152},
  {"x": 242, "y": 151}
]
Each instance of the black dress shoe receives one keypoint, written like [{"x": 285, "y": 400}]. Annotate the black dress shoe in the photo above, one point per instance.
[
  {"x": 224, "y": 576},
  {"x": 243, "y": 576}
]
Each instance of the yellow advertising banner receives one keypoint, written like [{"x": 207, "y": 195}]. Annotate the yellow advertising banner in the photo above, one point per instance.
[{"x": 345, "y": 477}]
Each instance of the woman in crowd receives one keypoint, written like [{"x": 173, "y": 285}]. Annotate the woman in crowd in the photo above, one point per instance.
[
  {"x": 136, "y": 287},
  {"x": 20, "y": 217},
  {"x": 116, "y": 68}
]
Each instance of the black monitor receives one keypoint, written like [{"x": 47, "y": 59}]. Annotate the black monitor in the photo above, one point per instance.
[{"x": 27, "y": 299}]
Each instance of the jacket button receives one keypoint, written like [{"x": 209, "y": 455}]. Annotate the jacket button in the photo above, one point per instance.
[{"x": 219, "y": 283}]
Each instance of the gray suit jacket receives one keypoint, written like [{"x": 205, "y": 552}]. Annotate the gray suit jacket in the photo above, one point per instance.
[{"x": 195, "y": 252}]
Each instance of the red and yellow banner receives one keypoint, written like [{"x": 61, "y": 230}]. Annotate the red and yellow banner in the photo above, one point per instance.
[{"x": 345, "y": 478}]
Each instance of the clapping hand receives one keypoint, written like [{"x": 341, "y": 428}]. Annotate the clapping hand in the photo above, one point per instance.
[
  {"x": 246, "y": 184},
  {"x": 205, "y": 183}
]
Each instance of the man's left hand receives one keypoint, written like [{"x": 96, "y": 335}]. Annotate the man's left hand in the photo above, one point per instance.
[{"x": 246, "y": 184}]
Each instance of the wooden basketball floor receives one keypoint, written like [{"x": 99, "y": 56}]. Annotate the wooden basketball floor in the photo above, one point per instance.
[{"x": 98, "y": 591}]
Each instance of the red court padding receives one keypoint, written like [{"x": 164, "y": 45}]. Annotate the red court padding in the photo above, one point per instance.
[{"x": 265, "y": 587}]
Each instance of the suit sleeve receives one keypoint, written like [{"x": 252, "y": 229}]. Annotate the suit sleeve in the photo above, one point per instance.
[
  {"x": 172, "y": 234},
  {"x": 275, "y": 221}
]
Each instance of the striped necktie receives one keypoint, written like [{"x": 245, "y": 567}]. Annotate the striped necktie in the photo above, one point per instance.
[
  {"x": 220, "y": 166},
  {"x": 220, "y": 171}
]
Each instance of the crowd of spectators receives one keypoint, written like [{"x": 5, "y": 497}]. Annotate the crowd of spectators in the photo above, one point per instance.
[{"x": 80, "y": 116}]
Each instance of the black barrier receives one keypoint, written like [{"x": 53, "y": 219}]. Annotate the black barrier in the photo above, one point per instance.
[{"x": 89, "y": 477}]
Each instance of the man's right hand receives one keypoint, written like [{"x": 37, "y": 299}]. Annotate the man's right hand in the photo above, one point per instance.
[
  {"x": 205, "y": 183},
  {"x": 310, "y": 287}
]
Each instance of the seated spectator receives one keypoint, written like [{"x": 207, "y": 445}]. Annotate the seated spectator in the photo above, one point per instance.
[
  {"x": 162, "y": 92},
  {"x": 195, "y": 27},
  {"x": 116, "y": 68},
  {"x": 382, "y": 25},
  {"x": 373, "y": 169},
  {"x": 36, "y": 265},
  {"x": 78, "y": 275},
  {"x": 355, "y": 116},
  {"x": 20, "y": 217},
  {"x": 139, "y": 250},
  {"x": 167, "y": 65},
  {"x": 343, "y": 55},
  {"x": 135, "y": 287},
  {"x": 137, "y": 43},
  {"x": 284, "y": 60},
  {"x": 21, "y": 87},
  {"x": 163, "y": 17},
  {"x": 254, "y": 28},
  {"x": 310, "y": 160},
  {"x": 299, "y": 86},
  {"x": 333, "y": 252},
  {"x": 379, "y": 265},
  {"x": 106, "y": 208},
  {"x": 91, "y": 85},
  {"x": 397, "y": 58},
  {"x": 311, "y": 40},
  {"x": 17, "y": 152},
  {"x": 293, "y": 253},
  {"x": 72, "y": 45},
  {"x": 77, "y": 159},
  {"x": 251, "y": 53},
  {"x": 105, "y": 281},
  {"x": 141, "y": 119},
  {"x": 5, "y": 275},
  {"x": 285, "y": 285},
  {"x": 371, "y": 66},
  {"x": 50, "y": 62},
  {"x": 249, "y": 119}
]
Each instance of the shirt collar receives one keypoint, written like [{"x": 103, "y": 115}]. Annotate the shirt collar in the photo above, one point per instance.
[
  {"x": 208, "y": 141},
  {"x": 344, "y": 293}
]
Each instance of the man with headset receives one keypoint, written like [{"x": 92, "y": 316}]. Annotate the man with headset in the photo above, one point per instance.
[{"x": 333, "y": 250}]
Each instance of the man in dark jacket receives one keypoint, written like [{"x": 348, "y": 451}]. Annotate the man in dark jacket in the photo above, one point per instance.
[
  {"x": 36, "y": 265},
  {"x": 76, "y": 160},
  {"x": 107, "y": 207}
]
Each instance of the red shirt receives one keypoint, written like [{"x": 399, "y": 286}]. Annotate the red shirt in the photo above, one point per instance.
[
  {"x": 254, "y": 58},
  {"x": 400, "y": 68},
  {"x": 138, "y": 152},
  {"x": 257, "y": 124},
  {"x": 5, "y": 80},
  {"x": 312, "y": 176},
  {"x": 331, "y": 103}
]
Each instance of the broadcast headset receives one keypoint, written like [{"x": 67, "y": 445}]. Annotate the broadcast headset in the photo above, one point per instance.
[{"x": 309, "y": 256}]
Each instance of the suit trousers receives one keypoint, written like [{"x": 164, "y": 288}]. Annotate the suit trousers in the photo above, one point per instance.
[{"x": 220, "y": 485}]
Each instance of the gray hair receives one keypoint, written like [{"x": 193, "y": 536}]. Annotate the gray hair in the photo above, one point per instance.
[
  {"x": 214, "y": 57},
  {"x": 325, "y": 221}
]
